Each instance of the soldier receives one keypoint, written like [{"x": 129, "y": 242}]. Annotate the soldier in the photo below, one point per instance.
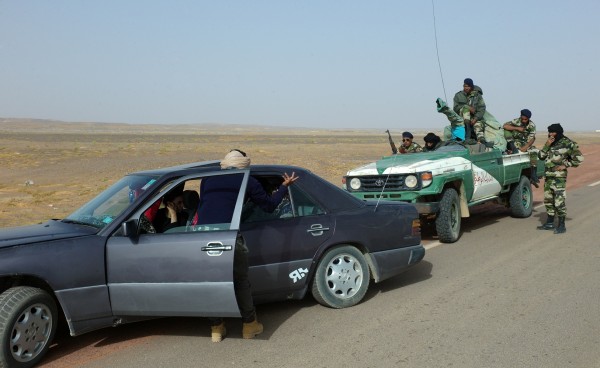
[
  {"x": 520, "y": 135},
  {"x": 408, "y": 146},
  {"x": 432, "y": 142},
  {"x": 469, "y": 104},
  {"x": 559, "y": 153}
]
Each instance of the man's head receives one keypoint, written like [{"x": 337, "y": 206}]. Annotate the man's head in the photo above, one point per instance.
[
  {"x": 407, "y": 139},
  {"x": 235, "y": 159},
  {"x": 468, "y": 85},
  {"x": 431, "y": 140},
  {"x": 556, "y": 131},
  {"x": 525, "y": 116}
]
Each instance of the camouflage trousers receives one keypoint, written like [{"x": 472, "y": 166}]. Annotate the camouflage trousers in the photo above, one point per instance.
[
  {"x": 477, "y": 128},
  {"x": 555, "y": 194}
]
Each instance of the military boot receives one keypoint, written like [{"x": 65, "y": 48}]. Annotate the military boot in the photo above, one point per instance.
[
  {"x": 511, "y": 147},
  {"x": 251, "y": 329},
  {"x": 441, "y": 105},
  {"x": 218, "y": 332},
  {"x": 560, "y": 229},
  {"x": 549, "y": 225}
]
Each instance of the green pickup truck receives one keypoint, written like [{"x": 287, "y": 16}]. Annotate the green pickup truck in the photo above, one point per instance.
[{"x": 445, "y": 183}]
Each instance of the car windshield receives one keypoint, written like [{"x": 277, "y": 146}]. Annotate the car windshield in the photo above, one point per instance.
[{"x": 107, "y": 206}]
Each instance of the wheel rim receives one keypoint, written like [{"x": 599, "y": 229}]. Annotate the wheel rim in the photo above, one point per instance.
[
  {"x": 526, "y": 197},
  {"x": 31, "y": 332},
  {"x": 344, "y": 276}
]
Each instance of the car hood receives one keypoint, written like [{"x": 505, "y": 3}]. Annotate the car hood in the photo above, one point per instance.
[{"x": 51, "y": 230}]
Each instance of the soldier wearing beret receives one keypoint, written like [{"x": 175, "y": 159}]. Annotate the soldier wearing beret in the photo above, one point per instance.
[{"x": 408, "y": 146}]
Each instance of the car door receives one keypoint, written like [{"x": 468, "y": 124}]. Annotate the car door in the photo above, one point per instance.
[
  {"x": 486, "y": 171},
  {"x": 188, "y": 272},
  {"x": 282, "y": 247}
]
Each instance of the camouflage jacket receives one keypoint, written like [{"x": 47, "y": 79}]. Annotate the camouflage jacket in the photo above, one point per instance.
[
  {"x": 564, "y": 152},
  {"x": 521, "y": 138},
  {"x": 413, "y": 148},
  {"x": 475, "y": 99}
]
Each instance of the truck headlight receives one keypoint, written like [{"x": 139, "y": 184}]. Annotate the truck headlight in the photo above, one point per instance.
[
  {"x": 355, "y": 183},
  {"x": 426, "y": 178},
  {"x": 411, "y": 181}
]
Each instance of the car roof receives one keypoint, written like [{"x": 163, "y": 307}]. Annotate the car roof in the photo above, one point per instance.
[{"x": 328, "y": 194}]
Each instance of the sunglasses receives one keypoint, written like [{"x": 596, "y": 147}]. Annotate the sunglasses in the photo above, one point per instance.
[
  {"x": 240, "y": 151},
  {"x": 406, "y": 139}
]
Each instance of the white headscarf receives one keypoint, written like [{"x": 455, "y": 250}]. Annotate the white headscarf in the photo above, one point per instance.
[{"x": 236, "y": 160}]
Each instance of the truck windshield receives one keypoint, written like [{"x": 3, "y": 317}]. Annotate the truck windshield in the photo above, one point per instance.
[{"x": 107, "y": 206}]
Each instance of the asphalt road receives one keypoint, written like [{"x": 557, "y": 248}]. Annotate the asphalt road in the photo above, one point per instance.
[{"x": 504, "y": 296}]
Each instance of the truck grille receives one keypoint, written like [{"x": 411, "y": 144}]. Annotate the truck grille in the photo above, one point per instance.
[{"x": 376, "y": 183}]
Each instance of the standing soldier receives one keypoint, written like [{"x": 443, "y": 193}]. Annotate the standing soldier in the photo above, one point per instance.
[
  {"x": 520, "y": 135},
  {"x": 408, "y": 146},
  {"x": 559, "y": 153},
  {"x": 469, "y": 104}
]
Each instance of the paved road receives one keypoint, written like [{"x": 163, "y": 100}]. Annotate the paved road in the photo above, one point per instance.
[{"x": 506, "y": 296}]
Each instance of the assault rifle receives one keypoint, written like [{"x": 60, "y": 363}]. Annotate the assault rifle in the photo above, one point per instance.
[{"x": 394, "y": 149}]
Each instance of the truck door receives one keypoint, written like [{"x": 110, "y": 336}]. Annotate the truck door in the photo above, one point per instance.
[{"x": 185, "y": 271}]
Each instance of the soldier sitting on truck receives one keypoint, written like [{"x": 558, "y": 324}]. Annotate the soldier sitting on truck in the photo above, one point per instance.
[
  {"x": 469, "y": 104},
  {"x": 520, "y": 135},
  {"x": 432, "y": 142}
]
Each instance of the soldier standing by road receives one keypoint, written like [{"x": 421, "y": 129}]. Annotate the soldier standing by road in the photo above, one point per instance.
[
  {"x": 469, "y": 104},
  {"x": 520, "y": 135},
  {"x": 559, "y": 153}
]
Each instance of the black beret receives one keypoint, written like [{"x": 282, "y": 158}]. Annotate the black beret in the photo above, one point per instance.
[
  {"x": 469, "y": 82},
  {"x": 407, "y": 135},
  {"x": 526, "y": 113}
]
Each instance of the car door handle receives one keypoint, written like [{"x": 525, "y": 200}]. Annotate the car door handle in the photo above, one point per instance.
[
  {"x": 216, "y": 249},
  {"x": 317, "y": 229}
]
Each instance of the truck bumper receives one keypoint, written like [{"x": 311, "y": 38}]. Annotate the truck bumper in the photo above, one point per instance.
[{"x": 426, "y": 208}]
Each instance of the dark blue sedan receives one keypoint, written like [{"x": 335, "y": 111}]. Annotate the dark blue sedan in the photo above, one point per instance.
[{"x": 107, "y": 264}]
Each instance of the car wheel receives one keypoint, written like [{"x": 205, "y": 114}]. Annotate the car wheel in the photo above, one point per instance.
[
  {"x": 28, "y": 319},
  {"x": 521, "y": 199},
  {"x": 342, "y": 278},
  {"x": 447, "y": 222}
]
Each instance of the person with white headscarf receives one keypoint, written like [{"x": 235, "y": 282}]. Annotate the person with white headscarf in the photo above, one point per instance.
[{"x": 218, "y": 197}]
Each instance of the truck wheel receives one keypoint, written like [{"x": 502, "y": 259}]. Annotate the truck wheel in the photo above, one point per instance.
[
  {"x": 521, "y": 199},
  {"x": 447, "y": 223},
  {"x": 342, "y": 278},
  {"x": 28, "y": 319}
]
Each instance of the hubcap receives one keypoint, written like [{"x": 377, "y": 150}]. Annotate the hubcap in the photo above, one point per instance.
[
  {"x": 31, "y": 332},
  {"x": 344, "y": 276}
]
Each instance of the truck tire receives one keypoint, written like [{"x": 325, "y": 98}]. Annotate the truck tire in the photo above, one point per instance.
[
  {"x": 447, "y": 222},
  {"x": 28, "y": 320},
  {"x": 521, "y": 199}
]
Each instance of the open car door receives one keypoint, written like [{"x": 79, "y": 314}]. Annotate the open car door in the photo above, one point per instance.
[{"x": 186, "y": 271}]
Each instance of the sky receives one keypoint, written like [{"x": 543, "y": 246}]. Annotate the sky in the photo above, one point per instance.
[{"x": 315, "y": 64}]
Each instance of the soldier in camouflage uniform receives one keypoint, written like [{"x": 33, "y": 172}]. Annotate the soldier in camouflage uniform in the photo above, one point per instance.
[
  {"x": 559, "y": 153},
  {"x": 469, "y": 104},
  {"x": 520, "y": 135},
  {"x": 408, "y": 146}
]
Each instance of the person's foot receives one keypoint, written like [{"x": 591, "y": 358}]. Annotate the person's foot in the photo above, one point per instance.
[
  {"x": 441, "y": 105},
  {"x": 218, "y": 332},
  {"x": 250, "y": 330}
]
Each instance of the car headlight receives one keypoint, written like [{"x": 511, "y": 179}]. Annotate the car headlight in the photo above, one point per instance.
[
  {"x": 411, "y": 181},
  {"x": 355, "y": 183}
]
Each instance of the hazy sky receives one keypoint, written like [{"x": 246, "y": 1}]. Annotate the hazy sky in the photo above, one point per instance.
[{"x": 339, "y": 64}]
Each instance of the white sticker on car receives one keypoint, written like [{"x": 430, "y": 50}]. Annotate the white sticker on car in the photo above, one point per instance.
[{"x": 298, "y": 274}]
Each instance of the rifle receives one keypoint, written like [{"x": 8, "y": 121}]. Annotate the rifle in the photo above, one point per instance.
[{"x": 394, "y": 149}]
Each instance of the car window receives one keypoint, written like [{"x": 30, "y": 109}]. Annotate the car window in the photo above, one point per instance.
[
  {"x": 295, "y": 203},
  {"x": 191, "y": 205},
  {"x": 302, "y": 204}
]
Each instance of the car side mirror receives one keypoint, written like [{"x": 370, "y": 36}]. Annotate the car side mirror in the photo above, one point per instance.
[{"x": 130, "y": 228}]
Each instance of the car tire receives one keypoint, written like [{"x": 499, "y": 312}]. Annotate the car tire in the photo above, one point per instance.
[
  {"x": 447, "y": 222},
  {"x": 342, "y": 278},
  {"x": 521, "y": 199},
  {"x": 28, "y": 320}
]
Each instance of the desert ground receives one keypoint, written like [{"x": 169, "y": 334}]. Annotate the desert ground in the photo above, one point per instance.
[{"x": 48, "y": 169}]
